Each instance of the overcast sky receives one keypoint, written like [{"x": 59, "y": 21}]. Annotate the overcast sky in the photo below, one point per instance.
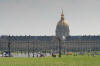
[{"x": 39, "y": 17}]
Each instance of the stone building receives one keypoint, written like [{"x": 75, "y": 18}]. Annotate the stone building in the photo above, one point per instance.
[{"x": 38, "y": 43}]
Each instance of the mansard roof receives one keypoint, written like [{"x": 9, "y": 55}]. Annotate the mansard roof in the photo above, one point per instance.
[
  {"x": 83, "y": 38},
  {"x": 27, "y": 38},
  {"x": 48, "y": 38}
]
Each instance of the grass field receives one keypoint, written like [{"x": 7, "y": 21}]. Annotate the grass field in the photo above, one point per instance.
[{"x": 49, "y": 61}]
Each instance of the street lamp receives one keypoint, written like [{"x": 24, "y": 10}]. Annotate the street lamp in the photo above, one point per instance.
[
  {"x": 60, "y": 39},
  {"x": 9, "y": 43},
  {"x": 33, "y": 47},
  {"x": 28, "y": 45}
]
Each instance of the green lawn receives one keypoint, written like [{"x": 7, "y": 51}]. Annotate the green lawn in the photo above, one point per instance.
[{"x": 49, "y": 61}]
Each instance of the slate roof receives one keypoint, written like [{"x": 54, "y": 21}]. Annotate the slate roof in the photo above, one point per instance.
[{"x": 48, "y": 38}]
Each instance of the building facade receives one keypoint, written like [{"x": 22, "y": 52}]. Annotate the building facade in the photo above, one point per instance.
[{"x": 38, "y": 43}]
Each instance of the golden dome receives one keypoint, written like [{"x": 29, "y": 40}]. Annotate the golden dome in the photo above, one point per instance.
[
  {"x": 62, "y": 28},
  {"x": 62, "y": 21}
]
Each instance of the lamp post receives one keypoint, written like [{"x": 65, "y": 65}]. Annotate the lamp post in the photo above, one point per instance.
[
  {"x": 33, "y": 48},
  {"x": 28, "y": 50},
  {"x": 9, "y": 43},
  {"x": 28, "y": 45},
  {"x": 60, "y": 39},
  {"x": 59, "y": 47}
]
